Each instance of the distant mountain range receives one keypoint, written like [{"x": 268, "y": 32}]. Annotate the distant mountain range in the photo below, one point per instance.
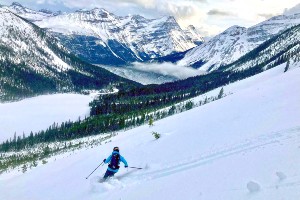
[
  {"x": 234, "y": 43},
  {"x": 33, "y": 62},
  {"x": 282, "y": 48},
  {"x": 101, "y": 37},
  {"x": 30, "y": 14}
]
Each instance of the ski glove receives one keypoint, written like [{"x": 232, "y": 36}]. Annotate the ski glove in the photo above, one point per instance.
[{"x": 104, "y": 160}]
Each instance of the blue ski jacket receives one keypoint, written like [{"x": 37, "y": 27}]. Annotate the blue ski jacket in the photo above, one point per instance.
[{"x": 122, "y": 159}]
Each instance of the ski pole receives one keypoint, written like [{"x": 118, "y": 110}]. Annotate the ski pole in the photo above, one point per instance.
[
  {"x": 136, "y": 167},
  {"x": 94, "y": 171}
]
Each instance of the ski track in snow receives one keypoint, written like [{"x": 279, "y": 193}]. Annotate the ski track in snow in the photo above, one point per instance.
[
  {"x": 133, "y": 177},
  {"x": 136, "y": 177},
  {"x": 259, "y": 142}
]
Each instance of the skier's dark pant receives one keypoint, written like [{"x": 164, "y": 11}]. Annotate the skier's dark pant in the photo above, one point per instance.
[{"x": 108, "y": 173}]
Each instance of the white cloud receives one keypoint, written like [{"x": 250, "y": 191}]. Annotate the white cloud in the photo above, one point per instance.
[
  {"x": 266, "y": 15},
  {"x": 293, "y": 10},
  {"x": 40, "y": 1},
  {"x": 222, "y": 13},
  {"x": 217, "y": 15},
  {"x": 168, "y": 69}
]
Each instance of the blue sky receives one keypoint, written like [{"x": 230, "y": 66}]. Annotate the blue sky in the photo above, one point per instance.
[{"x": 211, "y": 16}]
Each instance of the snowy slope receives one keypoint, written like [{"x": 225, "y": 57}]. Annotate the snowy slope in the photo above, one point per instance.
[
  {"x": 211, "y": 152},
  {"x": 38, "y": 113},
  {"x": 235, "y": 42}
]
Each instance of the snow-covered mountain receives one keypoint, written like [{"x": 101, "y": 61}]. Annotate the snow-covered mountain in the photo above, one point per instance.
[
  {"x": 194, "y": 34},
  {"x": 249, "y": 152},
  {"x": 101, "y": 37},
  {"x": 235, "y": 42},
  {"x": 277, "y": 50},
  {"x": 30, "y": 14},
  {"x": 33, "y": 62}
]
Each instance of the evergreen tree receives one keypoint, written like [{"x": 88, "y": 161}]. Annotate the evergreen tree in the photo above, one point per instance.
[
  {"x": 151, "y": 121},
  {"x": 287, "y": 66},
  {"x": 156, "y": 135},
  {"x": 34, "y": 163},
  {"x": 221, "y": 93},
  {"x": 44, "y": 162},
  {"x": 46, "y": 151},
  {"x": 172, "y": 110},
  {"x": 24, "y": 168},
  {"x": 205, "y": 100},
  {"x": 189, "y": 105}
]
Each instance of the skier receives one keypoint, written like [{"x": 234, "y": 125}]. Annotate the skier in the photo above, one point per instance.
[{"x": 114, "y": 161}]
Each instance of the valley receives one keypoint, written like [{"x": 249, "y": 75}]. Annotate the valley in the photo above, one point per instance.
[{"x": 196, "y": 116}]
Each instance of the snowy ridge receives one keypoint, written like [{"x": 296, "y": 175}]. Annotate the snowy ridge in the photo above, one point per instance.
[
  {"x": 235, "y": 42},
  {"x": 29, "y": 14},
  {"x": 22, "y": 40},
  {"x": 285, "y": 46},
  {"x": 224, "y": 48},
  {"x": 145, "y": 38},
  {"x": 194, "y": 34},
  {"x": 249, "y": 152},
  {"x": 14, "y": 32},
  {"x": 32, "y": 62}
]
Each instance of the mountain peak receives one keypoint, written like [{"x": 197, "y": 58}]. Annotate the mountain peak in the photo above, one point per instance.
[
  {"x": 16, "y": 4},
  {"x": 235, "y": 27},
  {"x": 235, "y": 30},
  {"x": 171, "y": 19},
  {"x": 46, "y": 11},
  {"x": 94, "y": 10},
  {"x": 81, "y": 10},
  {"x": 97, "y": 12},
  {"x": 137, "y": 17},
  {"x": 191, "y": 27}
]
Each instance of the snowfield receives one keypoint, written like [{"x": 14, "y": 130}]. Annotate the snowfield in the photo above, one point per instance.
[
  {"x": 38, "y": 113},
  {"x": 243, "y": 146}
]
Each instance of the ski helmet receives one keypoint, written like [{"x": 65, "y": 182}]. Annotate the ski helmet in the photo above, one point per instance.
[{"x": 116, "y": 149}]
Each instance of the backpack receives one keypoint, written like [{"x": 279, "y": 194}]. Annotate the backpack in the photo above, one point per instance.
[{"x": 114, "y": 162}]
